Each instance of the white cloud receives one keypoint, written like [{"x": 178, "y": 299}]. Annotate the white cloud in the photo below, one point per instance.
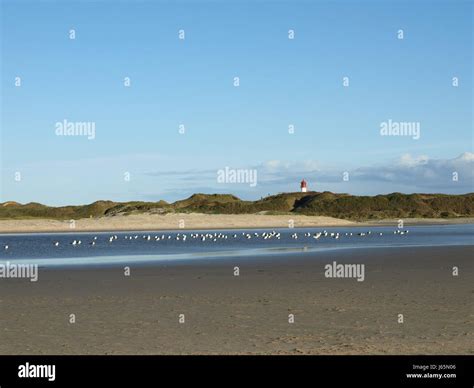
[
  {"x": 408, "y": 173},
  {"x": 408, "y": 160}
]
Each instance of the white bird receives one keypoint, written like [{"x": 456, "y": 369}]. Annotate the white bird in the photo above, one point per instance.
[
  {"x": 6, "y": 247},
  {"x": 56, "y": 243}
]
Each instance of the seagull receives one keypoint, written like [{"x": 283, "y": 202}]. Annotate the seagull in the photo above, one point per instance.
[
  {"x": 56, "y": 243},
  {"x": 6, "y": 247}
]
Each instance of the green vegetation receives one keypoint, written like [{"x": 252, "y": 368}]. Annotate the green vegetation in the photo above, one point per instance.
[{"x": 395, "y": 205}]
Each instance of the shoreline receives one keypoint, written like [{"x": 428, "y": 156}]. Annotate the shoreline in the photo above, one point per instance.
[
  {"x": 202, "y": 259},
  {"x": 198, "y": 221}
]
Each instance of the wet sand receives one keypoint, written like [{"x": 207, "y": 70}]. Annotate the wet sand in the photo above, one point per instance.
[{"x": 248, "y": 314}]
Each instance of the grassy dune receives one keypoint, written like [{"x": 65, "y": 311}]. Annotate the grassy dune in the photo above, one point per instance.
[{"x": 345, "y": 206}]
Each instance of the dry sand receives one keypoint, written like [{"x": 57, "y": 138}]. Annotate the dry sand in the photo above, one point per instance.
[
  {"x": 248, "y": 314},
  {"x": 196, "y": 221},
  {"x": 169, "y": 221}
]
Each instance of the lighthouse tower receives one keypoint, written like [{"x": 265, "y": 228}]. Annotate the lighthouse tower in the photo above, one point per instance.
[{"x": 304, "y": 186}]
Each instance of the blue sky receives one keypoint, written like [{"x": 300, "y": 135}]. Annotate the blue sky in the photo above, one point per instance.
[{"x": 282, "y": 81}]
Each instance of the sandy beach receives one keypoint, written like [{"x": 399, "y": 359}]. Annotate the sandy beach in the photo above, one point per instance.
[
  {"x": 167, "y": 222},
  {"x": 199, "y": 221},
  {"x": 248, "y": 314}
]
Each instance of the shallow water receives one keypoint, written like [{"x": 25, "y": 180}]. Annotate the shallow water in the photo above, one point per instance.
[{"x": 135, "y": 246}]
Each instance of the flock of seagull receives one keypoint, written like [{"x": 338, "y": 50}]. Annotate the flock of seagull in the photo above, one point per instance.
[{"x": 214, "y": 237}]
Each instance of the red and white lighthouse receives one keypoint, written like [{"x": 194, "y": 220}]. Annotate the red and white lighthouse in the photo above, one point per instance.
[{"x": 304, "y": 186}]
